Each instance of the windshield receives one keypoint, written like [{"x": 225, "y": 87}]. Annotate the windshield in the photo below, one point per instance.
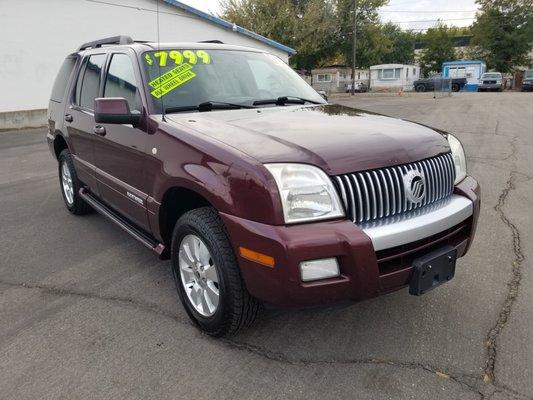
[
  {"x": 182, "y": 78},
  {"x": 492, "y": 76},
  {"x": 529, "y": 73}
]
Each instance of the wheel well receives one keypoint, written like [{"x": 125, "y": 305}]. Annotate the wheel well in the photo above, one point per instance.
[
  {"x": 176, "y": 202},
  {"x": 59, "y": 145}
]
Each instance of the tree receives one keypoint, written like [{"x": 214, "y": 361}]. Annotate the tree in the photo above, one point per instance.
[
  {"x": 371, "y": 43},
  {"x": 319, "y": 30},
  {"x": 306, "y": 25},
  {"x": 503, "y": 33},
  {"x": 402, "y": 45},
  {"x": 439, "y": 47}
]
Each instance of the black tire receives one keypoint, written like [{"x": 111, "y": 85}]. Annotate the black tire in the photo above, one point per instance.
[
  {"x": 78, "y": 206},
  {"x": 420, "y": 88},
  {"x": 455, "y": 87},
  {"x": 236, "y": 308}
]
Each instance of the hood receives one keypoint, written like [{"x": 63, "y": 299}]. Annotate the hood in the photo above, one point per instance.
[{"x": 336, "y": 138}]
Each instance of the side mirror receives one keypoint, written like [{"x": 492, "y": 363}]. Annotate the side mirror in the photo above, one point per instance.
[{"x": 114, "y": 110}]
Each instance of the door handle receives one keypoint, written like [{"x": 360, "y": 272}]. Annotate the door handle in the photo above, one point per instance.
[
  {"x": 99, "y": 130},
  {"x": 69, "y": 118}
]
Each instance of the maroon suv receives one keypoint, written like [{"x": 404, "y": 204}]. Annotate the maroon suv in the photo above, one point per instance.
[{"x": 223, "y": 159}]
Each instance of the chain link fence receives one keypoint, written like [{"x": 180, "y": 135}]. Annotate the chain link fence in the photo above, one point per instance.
[{"x": 442, "y": 87}]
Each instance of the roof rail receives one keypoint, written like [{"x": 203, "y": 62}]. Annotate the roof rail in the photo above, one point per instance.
[
  {"x": 211, "y": 41},
  {"x": 110, "y": 40}
]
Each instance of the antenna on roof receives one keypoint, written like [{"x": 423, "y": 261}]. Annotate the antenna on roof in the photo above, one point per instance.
[{"x": 158, "y": 63}]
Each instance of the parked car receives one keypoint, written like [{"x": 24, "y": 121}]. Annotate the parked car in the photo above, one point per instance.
[
  {"x": 527, "y": 82},
  {"x": 255, "y": 188},
  {"x": 490, "y": 81},
  {"x": 438, "y": 82},
  {"x": 360, "y": 87}
]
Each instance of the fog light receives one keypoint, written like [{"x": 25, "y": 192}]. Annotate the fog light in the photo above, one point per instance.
[{"x": 319, "y": 269}]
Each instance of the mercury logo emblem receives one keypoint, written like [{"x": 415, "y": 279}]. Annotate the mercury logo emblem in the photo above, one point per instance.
[{"x": 414, "y": 185}]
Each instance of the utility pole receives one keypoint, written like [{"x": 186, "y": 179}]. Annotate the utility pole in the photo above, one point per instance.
[{"x": 354, "y": 44}]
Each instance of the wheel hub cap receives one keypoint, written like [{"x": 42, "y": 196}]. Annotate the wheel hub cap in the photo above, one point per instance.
[
  {"x": 199, "y": 275},
  {"x": 66, "y": 184}
]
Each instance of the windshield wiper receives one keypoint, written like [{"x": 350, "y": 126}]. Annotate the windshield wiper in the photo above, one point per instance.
[
  {"x": 281, "y": 101},
  {"x": 207, "y": 106}
]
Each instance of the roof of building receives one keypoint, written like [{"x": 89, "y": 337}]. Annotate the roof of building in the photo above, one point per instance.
[
  {"x": 382, "y": 66},
  {"x": 230, "y": 26},
  {"x": 463, "y": 62}
]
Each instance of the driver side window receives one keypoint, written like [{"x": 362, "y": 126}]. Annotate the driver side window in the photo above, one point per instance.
[{"x": 120, "y": 81}]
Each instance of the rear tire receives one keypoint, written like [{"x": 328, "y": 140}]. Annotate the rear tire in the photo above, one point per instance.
[
  {"x": 235, "y": 308},
  {"x": 70, "y": 185},
  {"x": 420, "y": 88},
  {"x": 455, "y": 87}
]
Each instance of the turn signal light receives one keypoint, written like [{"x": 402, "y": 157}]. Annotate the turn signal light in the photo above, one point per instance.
[{"x": 259, "y": 258}]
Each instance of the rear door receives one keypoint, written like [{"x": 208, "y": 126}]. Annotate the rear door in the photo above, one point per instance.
[
  {"x": 79, "y": 118},
  {"x": 120, "y": 153}
]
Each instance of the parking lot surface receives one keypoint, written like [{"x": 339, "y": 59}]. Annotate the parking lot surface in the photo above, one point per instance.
[{"x": 89, "y": 313}]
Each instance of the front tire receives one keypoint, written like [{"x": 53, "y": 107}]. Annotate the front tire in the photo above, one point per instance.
[
  {"x": 70, "y": 185},
  {"x": 455, "y": 87},
  {"x": 420, "y": 88},
  {"x": 207, "y": 275}
]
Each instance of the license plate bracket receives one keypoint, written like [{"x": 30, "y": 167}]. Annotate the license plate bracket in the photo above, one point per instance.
[{"x": 432, "y": 270}]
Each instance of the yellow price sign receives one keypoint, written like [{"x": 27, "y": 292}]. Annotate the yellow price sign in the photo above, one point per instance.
[{"x": 190, "y": 56}]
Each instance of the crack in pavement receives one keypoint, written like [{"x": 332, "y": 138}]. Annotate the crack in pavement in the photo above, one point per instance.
[
  {"x": 470, "y": 382},
  {"x": 57, "y": 291},
  {"x": 512, "y": 285}
]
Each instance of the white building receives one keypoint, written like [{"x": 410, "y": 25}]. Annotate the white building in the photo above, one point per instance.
[
  {"x": 37, "y": 35},
  {"x": 393, "y": 76},
  {"x": 334, "y": 79}
]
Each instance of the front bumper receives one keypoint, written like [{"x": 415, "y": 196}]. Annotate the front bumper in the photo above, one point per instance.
[
  {"x": 527, "y": 86},
  {"x": 373, "y": 259},
  {"x": 490, "y": 86}
]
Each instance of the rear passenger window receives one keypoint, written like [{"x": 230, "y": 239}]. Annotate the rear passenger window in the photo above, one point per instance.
[
  {"x": 120, "y": 81},
  {"x": 87, "y": 85},
  {"x": 60, "y": 84}
]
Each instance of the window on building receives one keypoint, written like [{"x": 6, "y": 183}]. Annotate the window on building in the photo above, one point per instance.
[
  {"x": 323, "y": 78},
  {"x": 389, "y": 73},
  {"x": 414, "y": 71},
  {"x": 407, "y": 72},
  {"x": 88, "y": 84},
  {"x": 120, "y": 81}
]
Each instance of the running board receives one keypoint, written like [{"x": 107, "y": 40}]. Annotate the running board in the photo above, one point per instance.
[{"x": 151, "y": 243}]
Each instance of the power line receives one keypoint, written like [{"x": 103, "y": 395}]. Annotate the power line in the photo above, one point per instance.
[
  {"x": 426, "y": 11},
  {"x": 433, "y": 20}
]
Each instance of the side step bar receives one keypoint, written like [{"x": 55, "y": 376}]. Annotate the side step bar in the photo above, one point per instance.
[{"x": 151, "y": 243}]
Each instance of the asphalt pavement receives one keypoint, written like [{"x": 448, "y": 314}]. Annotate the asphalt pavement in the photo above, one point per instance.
[{"x": 88, "y": 313}]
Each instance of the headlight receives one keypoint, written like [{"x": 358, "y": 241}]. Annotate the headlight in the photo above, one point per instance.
[
  {"x": 306, "y": 192},
  {"x": 459, "y": 158}
]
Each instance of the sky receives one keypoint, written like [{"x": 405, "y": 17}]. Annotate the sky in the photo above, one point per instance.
[{"x": 409, "y": 14}]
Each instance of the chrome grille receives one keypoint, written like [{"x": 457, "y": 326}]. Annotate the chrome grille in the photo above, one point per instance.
[{"x": 380, "y": 193}]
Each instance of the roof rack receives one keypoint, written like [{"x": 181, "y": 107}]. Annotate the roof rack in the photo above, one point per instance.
[
  {"x": 211, "y": 41},
  {"x": 110, "y": 40}
]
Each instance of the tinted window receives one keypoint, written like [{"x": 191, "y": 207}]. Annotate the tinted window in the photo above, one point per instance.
[
  {"x": 120, "y": 81},
  {"x": 60, "y": 84},
  {"x": 88, "y": 91}
]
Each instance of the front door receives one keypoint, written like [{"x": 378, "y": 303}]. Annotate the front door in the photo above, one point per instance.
[{"x": 120, "y": 149}]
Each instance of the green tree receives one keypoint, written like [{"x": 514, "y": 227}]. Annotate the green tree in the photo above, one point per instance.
[
  {"x": 503, "y": 33},
  {"x": 402, "y": 45},
  {"x": 371, "y": 43},
  {"x": 439, "y": 47},
  {"x": 306, "y": 25},
  {"x": 319, "y": 30}
]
